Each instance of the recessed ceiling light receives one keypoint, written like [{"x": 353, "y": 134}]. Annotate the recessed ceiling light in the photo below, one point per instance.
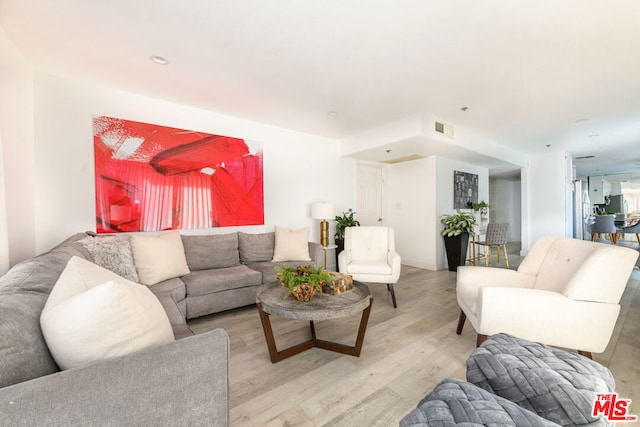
[
  {"x": 594, "y": 135},
  {"x": 160, "y": 60},
  {"x": 582, "y": 120},
  {"x": 332, "y": 113}
]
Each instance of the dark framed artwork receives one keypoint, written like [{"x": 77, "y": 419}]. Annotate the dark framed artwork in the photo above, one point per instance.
[
  {"x": 465, "y": 189},
  {"x": 150, "y": 177}
]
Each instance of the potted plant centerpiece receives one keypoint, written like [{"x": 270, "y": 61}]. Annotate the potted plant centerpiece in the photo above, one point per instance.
[
  {"x": 302, "y": 281},
  {"x": 457, "y": 229}
]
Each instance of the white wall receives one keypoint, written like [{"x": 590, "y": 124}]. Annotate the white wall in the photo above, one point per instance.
[
  {"x": 420, "y": 192},
  {"x": 299, "y": 169},
  {"x": 412, "y": 196},
  {"x": 17, "y": 135},
  {"x": 444, "y": 191},
  {"x": 546, "y": 209}
]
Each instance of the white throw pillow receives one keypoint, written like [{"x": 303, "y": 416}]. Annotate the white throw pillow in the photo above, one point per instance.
[
  {"x": 92, "y": 314},
  {"x": 291, "y": 245},
  {"x": 159, "y": 258}
]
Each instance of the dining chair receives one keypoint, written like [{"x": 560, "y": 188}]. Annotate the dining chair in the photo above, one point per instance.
[
  {"x": 634, "y": 228},
  {"x": 495, "y": 237},
  {"x": 605, "y": 224}
]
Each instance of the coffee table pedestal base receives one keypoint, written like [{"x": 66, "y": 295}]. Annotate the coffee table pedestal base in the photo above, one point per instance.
[{"x": 277, "y": 356}]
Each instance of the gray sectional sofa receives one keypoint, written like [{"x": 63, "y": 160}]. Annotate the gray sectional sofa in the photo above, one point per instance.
[
  {"x": 226, "y": 271},
  {"x": 185, "y": 382}
]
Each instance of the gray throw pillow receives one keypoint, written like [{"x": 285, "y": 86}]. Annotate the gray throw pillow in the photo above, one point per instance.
[
  {"x": 113, "y": 253},
  {"x": 211, "y": 251},
  {"x": 256, "y": 247}
]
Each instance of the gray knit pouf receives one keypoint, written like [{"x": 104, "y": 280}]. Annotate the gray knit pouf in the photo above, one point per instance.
[
  {"x": 555, "y": 384},
  {"x": 457, "y": 403}
]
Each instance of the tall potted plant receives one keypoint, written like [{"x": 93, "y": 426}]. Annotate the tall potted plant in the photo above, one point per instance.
[
  {"x": 342, "y": 222},
  {"x": 457, "y": 229}
]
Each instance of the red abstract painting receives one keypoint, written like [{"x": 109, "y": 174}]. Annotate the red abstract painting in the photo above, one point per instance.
[{"x": 151, "y": 178}]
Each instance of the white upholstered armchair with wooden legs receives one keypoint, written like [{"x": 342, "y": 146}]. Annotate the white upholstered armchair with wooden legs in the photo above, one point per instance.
[
  {"x": 370, "y": 255},
  {"x": 565, "y": 293}
]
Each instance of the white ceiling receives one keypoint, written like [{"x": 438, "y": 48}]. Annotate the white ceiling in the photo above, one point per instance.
[{"x": 532, "y": 73}]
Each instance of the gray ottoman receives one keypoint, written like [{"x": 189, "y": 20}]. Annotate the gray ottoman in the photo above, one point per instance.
[
  {"x": 457, "y": 403},
  {"x": 555, "y": 384}
]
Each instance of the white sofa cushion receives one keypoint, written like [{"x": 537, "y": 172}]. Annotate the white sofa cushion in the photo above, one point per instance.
[
  {"x": 291, "y": 245},
  {"x": 369, "y": 244},
  {"x": 369, "y": 267},
  {"x": 159, "y": 258},
  {"x": 92, "y": 314},
  {"x": 561, "y": 262}
]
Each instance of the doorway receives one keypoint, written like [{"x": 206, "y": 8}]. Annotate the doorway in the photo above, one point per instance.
[
  {"x": 505, "y": 195},
  {"x": 369, "y": 194}
]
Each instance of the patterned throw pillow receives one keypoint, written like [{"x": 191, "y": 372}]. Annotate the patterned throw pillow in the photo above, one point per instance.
[{"x": 113, "y": 253}]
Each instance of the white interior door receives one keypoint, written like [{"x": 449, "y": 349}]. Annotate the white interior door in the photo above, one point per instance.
[{"x": 370, "y": 183}]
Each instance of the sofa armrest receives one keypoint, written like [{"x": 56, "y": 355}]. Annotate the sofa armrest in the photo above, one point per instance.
[
  {"x": 344, "y": 258},
  {"x": 493, "y": 276},
  {"x": 546, "y": 316},
  {"x": 176, "y": 318},
  {"x": 185, "y": 382},
  {"x": 316, "y": 253}
]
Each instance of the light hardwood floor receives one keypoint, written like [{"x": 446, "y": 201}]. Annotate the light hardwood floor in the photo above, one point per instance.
[{"x": 406, "y": 352}]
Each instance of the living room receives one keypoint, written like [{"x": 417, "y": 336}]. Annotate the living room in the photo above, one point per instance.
[{"x": 47, "y": 148}]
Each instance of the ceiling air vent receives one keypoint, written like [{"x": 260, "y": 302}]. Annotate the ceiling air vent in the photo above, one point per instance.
[
  {"x": 584, "y": 157},
  {"x": 445, "y": 129}
]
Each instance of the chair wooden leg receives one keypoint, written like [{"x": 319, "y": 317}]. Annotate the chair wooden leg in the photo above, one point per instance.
[
  {"x": 506, "y": 258},
  {"x": 487, "y": 256},
  {"x": 638, "y": 237},
  {"x": 480, "y": 339},
  {"x": 393, "y": 294},
  {"x": 461, "y": 320},
  {"x": 586, "y": 354}
]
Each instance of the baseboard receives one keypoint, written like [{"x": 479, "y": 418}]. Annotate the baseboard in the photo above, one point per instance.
[{"x": 423, "y": 265}]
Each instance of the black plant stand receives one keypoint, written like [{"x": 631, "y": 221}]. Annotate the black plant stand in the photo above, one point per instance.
[
  {"x": 456, "y": 247},
  {"x": 340, "y": 248}
]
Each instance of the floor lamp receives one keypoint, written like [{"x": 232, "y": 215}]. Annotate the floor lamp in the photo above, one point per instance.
[{"x": 323, "y": 211}]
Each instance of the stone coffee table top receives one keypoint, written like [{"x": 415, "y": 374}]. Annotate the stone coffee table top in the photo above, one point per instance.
[{"x": 321, "y": 307}]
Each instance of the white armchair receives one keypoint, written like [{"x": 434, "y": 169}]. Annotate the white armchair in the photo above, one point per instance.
[
  {"x": 565, "y": 293},
  {"x": 369, "y": 256}
]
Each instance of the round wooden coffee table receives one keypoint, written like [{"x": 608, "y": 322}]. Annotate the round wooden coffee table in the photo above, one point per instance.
[{"x": 322, "y": 307}]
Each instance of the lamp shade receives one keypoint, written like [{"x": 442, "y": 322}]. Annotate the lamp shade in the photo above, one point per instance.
[{"x": 323, "y": 210}]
